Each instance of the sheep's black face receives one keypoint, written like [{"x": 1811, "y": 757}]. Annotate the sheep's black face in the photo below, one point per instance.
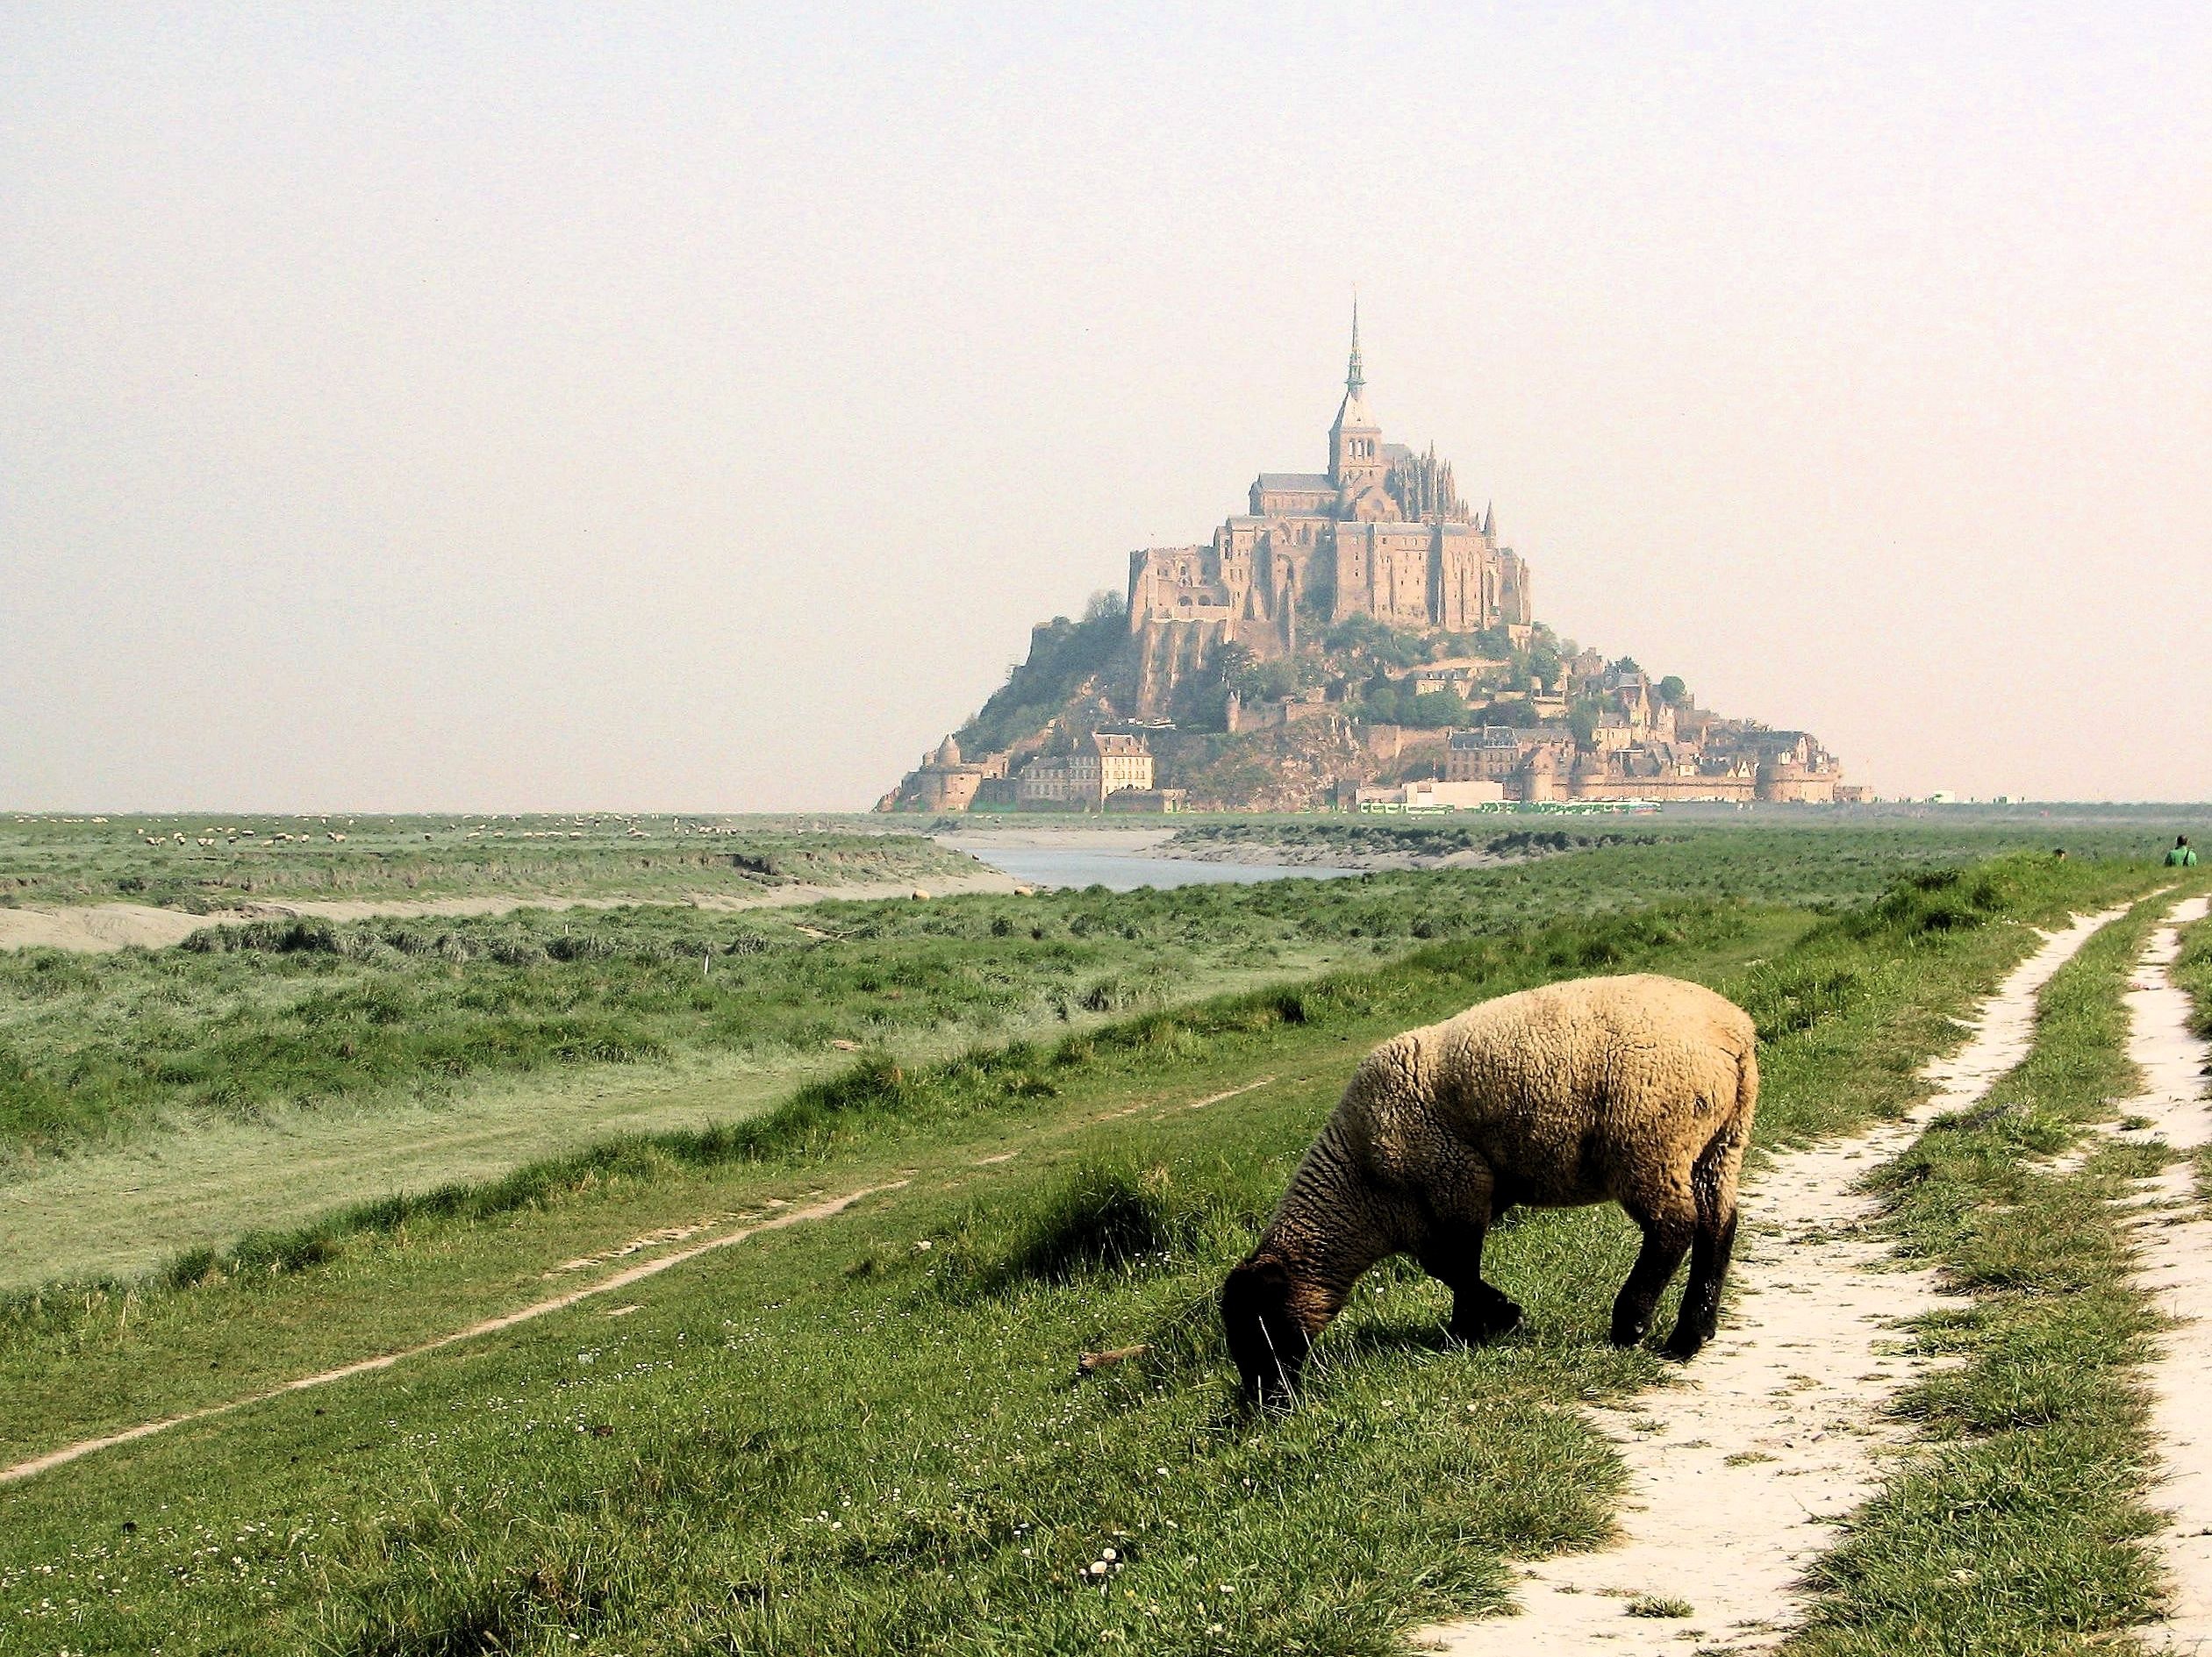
[{"x": 1267, "y": 1341}]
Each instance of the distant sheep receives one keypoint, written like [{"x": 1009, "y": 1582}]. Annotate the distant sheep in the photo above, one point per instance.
[{"x": 1638, "y": 1091}]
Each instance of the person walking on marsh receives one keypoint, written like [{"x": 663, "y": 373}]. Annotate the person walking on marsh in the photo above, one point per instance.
[{"x": 2183, "y": 855}]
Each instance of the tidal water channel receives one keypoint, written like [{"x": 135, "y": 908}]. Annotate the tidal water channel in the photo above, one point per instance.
[{"x": 1123, "y": 871}]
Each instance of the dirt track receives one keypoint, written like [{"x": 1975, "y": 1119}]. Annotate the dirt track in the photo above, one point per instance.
[
  {"x": 2173, "y": 1240},
  {"x": 1737, "y": 1475},
  {"x": 622, "y": 1279}
]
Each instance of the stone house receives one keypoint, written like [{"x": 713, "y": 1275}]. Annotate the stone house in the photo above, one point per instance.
[
  {"x": 945, "y": 781},
  {"x": 1465, "y": 675},
  {"x": 1101, "y": 766},
  {"x": 1492, "y": 753}
]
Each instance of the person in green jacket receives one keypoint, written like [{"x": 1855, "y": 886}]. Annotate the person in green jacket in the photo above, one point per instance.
[{"x": 2183, "y": 855}]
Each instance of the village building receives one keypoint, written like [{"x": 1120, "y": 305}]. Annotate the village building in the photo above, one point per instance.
[
  {"x": 1085, "y": 778},
  {"x": 944, "y": 781},
  {"x": 1467, "y": 676},
  {"x": 1152, "y": 800},
  {"x": 1499, "y": 753}
]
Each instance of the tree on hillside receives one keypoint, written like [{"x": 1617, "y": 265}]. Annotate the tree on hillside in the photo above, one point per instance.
[
  {"x": 1438, "y": 709},
  {"x": 1232, "y": 662},
  {"x": 1063, "y": 654},
  {"x": 1387, "y": 701},
  {"x": 1200, "y": 702},
  {"x": 1672, "y": 691},
  {"x": 1268, "y": 681},
  {"x": 1377, "y": 641}
]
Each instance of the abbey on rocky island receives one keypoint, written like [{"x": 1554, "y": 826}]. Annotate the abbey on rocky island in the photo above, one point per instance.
[
  {"x": 1382, "y": 534},
  {"x": 1359, "y": 639}
]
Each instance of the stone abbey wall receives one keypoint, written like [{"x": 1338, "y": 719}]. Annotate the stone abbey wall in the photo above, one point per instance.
[{"x": 1382, "y": 534}]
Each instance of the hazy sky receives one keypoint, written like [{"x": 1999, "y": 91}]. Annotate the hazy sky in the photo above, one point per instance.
[{"x": 661, "y": 407}]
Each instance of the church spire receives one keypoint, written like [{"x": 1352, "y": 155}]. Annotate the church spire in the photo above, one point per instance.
[{"x": 1355, "y": 442}]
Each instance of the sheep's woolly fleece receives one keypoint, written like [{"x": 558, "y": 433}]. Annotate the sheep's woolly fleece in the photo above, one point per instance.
[{"x": 1737, "y": 1475}]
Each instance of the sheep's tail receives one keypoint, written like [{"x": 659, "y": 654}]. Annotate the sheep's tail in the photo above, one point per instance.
[
  {"x": 1713, "y": 1177},
  {"x": 1747, "y": 1090}
]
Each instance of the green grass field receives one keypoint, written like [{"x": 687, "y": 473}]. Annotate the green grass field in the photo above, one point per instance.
[
  {"x": 205, "y": 862},
  {"x": 867, "y": 1432},
  {"x": 153, "y": 1102},
  {"x": 244, "y": 1020}
]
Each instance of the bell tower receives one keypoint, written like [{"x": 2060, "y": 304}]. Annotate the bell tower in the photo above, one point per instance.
[{"x": 1355, "y": 463}]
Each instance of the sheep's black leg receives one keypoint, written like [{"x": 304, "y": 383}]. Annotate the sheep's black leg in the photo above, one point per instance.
[
  {"x": 1480, "y": 1312},
  {"x": 1712, "y": 1187},
  {"x": 1666, "y": 1238},
  {"x": 1700, "y": 1313}
]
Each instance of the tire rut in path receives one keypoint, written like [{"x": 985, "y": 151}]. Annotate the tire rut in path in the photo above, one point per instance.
[
  {"x": 2173, "y": 1240},
  {"x": 48, "y": 1460},
  {"x": 486, "y": 1326},
  {"x": 1737, "y": 1474}
]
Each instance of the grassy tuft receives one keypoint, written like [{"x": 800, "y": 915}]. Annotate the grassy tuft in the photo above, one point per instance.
[
  {"x": 2018, "y": 1525},
  {"x": 1108, "y": 1215}
]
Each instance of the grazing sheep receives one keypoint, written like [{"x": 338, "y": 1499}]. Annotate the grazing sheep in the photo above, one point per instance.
[{"x": 1637, "y": 1090}]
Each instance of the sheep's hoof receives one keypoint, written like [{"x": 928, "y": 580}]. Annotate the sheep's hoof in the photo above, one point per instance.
[
  {"x": 1629, "y": 1334},
  {"x": 1682, "y": 1347},
  {"x": 1494, "y": 1322}
]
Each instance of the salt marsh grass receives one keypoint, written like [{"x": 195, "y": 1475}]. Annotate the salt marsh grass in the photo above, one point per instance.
[
  {"x": 868, "y": 1434},
  {"x": 205, "y": 862}
]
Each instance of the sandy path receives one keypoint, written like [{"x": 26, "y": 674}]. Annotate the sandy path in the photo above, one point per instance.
[
  {"x": 95, "y": 928},
  {"x": 623, "y": 1279},
  {"x": 1774, "y": 1434},
  {"x": 2174, "y": 1251}
]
